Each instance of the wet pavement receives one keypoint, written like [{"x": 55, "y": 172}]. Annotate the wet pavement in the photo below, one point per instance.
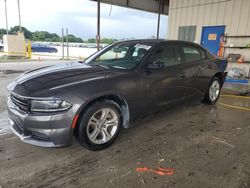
[
  {"x": 4, "y": 124},
  {"x": 205, "y": 146},
  {"x": 238, "y": 89},
  {"x": 236, "y": 102}
]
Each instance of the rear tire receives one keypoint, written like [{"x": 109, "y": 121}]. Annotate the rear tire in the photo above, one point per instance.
[
  {"x": 100, "y": 125},
  {"x": 213, "y": 92}
]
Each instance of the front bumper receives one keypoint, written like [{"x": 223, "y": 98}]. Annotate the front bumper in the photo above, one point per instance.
[{"x": 46, "y": 130}]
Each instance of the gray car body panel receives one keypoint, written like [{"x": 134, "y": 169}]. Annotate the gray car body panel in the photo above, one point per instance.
[{"x": 144, "y": 91}]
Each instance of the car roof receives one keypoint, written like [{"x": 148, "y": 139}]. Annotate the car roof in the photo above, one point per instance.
[
  {"x": 158, "y": 41},
  {"x": 152, "y": 41},
  {"x": 165, "y": 41}
]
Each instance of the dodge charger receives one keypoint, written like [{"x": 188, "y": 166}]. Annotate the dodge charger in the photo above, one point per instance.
[{"x": 94, "y": 99}]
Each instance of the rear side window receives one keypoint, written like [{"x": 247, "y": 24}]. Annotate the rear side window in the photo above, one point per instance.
[
  {"x": 166, "y": 56},
  {"x": 210, "y": 56},
  {"x": 191, "y": 54},
  {"x": 203, "y": 54}
]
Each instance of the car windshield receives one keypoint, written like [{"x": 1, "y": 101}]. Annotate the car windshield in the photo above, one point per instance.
[{"x": 120, "y": 56}]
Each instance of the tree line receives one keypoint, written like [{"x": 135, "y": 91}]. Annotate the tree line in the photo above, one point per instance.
[{"x": 45, "y": 36}]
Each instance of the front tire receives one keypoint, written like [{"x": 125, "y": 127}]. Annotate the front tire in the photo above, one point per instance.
[
  {"x": 213, "y": 92},
  {"x": 100, "y": 125}
]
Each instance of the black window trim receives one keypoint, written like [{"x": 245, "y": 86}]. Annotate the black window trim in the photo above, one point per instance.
[{"x": 205, "y": 52}]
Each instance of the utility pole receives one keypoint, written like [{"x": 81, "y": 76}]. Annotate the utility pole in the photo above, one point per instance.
[
  {"x": 159, "y": 19},
  {"x": 67, "y": 41},
  {"x": 62, "y": 43},
  {"x": 98, "y": 26},
  {"x": 6, "y": 18},
  {"x": 19, "y": 14}
]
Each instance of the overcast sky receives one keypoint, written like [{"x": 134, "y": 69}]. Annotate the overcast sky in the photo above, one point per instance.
[{"x": 80, "y": 17}]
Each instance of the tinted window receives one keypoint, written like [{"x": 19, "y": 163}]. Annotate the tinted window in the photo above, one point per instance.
[
  {"x": 203, "y": 54},
  {"x": 210, "y": 56},
  {"x": 166, "y": 56},
  {"x": 191, "y": 54},
  {"x": 120, "y": 56},
  {"x": 112, "y": 54}
]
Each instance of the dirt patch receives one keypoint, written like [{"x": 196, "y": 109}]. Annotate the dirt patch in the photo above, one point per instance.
[{"x": 11, "y": 71}]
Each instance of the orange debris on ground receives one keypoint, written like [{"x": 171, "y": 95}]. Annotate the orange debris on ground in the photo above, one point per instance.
[{"x": 160, "y": 171}]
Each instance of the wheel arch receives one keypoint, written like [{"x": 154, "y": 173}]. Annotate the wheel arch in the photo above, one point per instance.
[
  {"x": 113, "y": 97},
  {"x": 220, "y": 76}
]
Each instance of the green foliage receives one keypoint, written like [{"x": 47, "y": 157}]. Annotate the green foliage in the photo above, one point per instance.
[
  {"x": 2, "y": 32},
  {"x": 104, "y": 40},
  {"x": 92, "y": 40},
  {"x": 45, "y": 36},
  {"x": 73, "y": 38},
  {"x": 108, "y": 40},
  {"x": 15, "y": 29}
]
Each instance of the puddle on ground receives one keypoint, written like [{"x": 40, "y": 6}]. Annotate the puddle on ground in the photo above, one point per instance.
[
  {"x": 4, "y": 124},
  {"x": 238, "y": 101}
]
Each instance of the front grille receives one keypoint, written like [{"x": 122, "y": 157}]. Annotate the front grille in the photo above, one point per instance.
[{"x": 22, "y": 103}]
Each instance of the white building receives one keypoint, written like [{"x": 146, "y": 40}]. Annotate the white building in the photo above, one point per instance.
[{"x": 203, "y": 21}]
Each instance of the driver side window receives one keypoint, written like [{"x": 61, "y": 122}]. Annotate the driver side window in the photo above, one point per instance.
[{"x": 166, "y": 56}]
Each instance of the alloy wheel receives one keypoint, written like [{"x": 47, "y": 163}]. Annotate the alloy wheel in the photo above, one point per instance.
[
  {"x": 214, "y": 90},
  {"x": 102, "y": 126}
]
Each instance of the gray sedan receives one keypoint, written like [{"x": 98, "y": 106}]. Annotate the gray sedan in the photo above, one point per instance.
[{"x": 93, "y": 100}]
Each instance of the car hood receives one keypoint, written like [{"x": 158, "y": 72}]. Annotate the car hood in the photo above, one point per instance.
[{"x": 47, "y": 79}]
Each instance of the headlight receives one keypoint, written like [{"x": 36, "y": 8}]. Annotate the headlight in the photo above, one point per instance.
[{"x": 49, "y": 105}]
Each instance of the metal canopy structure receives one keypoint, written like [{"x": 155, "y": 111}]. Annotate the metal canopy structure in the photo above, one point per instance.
[
  {"x": 153, "y": 6},
  {"x": 145, "y": 5}
]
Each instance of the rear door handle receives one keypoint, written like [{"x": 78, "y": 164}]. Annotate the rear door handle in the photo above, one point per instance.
[{"x": 182, "y": 75}]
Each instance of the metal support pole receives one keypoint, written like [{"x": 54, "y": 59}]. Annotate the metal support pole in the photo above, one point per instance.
[
  {"x": 110, "y": 11},
  {"x": 159, "y": 20},
  {"x": 6, "y": 18},
  {"x": 29, "y": 49},
  {"x": 62, "y": 43},
  {"x": 67, "y": 41},
  {"x": 247, "y": 88},
  {"x": 19, "y": 14},
  {"x": 98, "y": 26}
]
